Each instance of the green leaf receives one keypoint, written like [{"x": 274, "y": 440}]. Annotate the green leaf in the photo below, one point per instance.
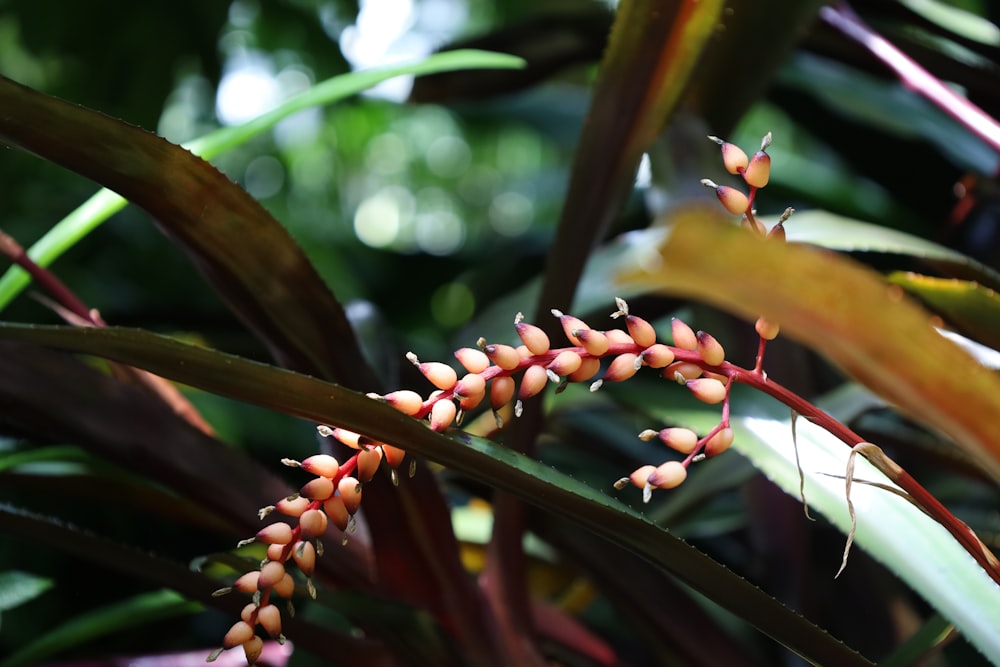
[
  {"x": 106, "y": 203},
  {"x": 16, "y": 588},
  {"x": 131, "y": 613},
  {"x": 319, "y": 401},
  {"x": 836, "y": 232},
  {"x": 967, "y": 306}
]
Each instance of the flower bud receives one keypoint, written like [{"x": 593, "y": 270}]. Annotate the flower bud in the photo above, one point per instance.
[
  {"x": 668, "y": 475},
  {"x": 619, "y": 337},
  {"x": 320, "y": 488},
  {"x": 269, "y": 618},
  {"x": 719, "y": 442},
  {"x": 285, "y": 587},
  {"x": 570, "y": 325},
  {"x": 708, "y": 390},
  {"x": 657, "y": 355},
  {"x": 238, "y": 634},
  {"x": 588, "y": 369},
  {"x": 276, "y": 533},
  {"x": 321, "y": 465},
  {"x": 622, "y": 367},
  {"x": 532, "y": 382},
  {"x": 733, "y": 156},
  {"x": 682, "y": 371},
  {"x": 778, "y": 233},
  {"x": 443, "y": 414},
  {"x": 293, "y": 505},
  {"x": 711, "y": 351},
  {"x": 440, "y": 375},
  {"x": 350, "y": 490},
  {"x": 248, "y": 583},
  {"x": 393, "y": 455},
  {"x": 270, "y": 573},
  {"x": 503, "y": 356},
  {"x": 501, "y": 391},
  {"x": 565, "y": 363},
  {"x": 758, "y": 171},
  {"x": 248, "y": 612},
  {"x": 766, "y": 329},
  {"x": 733, "y": 200},
  {"x": 683, "y": 440},
  {"x": 252, "y": 648},
  {"x": 472, "y": 360},
  {"x": 336, "y": 510},
  {"x": 640, "y": 475},
  {"x": 276, "y": 551},
  {"x": 406, "y": 401},
  {"x": 593, "y": 341},
  {"x": 313, "y": 523},
  {"x": 368, "y": 462},
  {"x": 304, "y": 554},
  {"x": 642, "y": 332},
  {"x": 472, "y": 384},
  {"x": 536, "y": 340},
  {"x": 683, "y": 335},
  {"x": 349, "y": 438}
]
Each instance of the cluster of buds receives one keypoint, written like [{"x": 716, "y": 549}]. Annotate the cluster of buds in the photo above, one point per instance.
[
  {"x": 333, "y": 496},
  {"x": 502, "y": 374},
  {"x": 755, "y": 172}
]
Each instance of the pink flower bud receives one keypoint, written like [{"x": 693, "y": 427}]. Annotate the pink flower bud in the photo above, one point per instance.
[
  {"x": 471, "y": 384},
  {"x": 393, "y": 455},
  {"x": 248, "y": 583},
  {"x": 320, "y": 488},
  {"x": 683, "y": 335},
  {"x": 710, "y": 349},
  {"x": 368, "y": 462},
  {"x": 532, "y": 382},
  {"x": 708, "y": 390},
  {"x": 640, "y": 475},
  {"x": 276, "y": 533},
  {"x": 589, "y": 367},
  {"x": 321, "y": 465},
  {"x": 642, "y": 332},
  {"x": 503, "y": 356},
  {"x": 270, "y": 573},
  {"x": 304, "y": 554},
  {"x": 570, "y": 325},
  {"x": 657, "y": 355},
  {"x": 719, "y": 442},
  {"x": 472, "y": 360},
  {"x": 336, "y": 510},
  {"x": 682, "y": 371},
  {"x": 238, "y": 634},
  {"x": 668, "y": 475},
  {"x": 733, "y": 156},
  {"x": 443, "y": 414},
  {"x": 536, "y": 340},
  {"x": 252, "y": 648},
  {"x": 285, "y": 587},
  {"x": 293, "y": 506},
  {"x": 683, "y": 440},
  {"x": 593, "y": 341},
  {"x": 406, "y": 401},
  {"x": 269, "y": 618},
  {"x": 565, "y": 363},
  {"x": 622, "y": 367},
  {"x": 501, "y": 391},
  {"x": 733, "y": 200},
  {"x": 758, "y": 171},
  {"x": 767, "y": 329},
  {"x": 440, "y": 375},
  {"x": 619, "y": 337},
  {"x": 313, "y": 523},
  {"x": 350, "y": 490}
]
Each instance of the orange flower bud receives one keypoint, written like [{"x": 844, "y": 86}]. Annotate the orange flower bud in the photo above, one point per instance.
[
  {"x": 252, "y": 648},
  {"x": 285, "y": 587},
  {"x": 472, "y": 360},
  {"x": 336, "y": 510},
  {"x": 566, "y": 362},
  {"x": 618, "y": 337},
  {"x": 320, "y": 488},
  {"x": 766, "y": 329},
  {"x": 642, "y": 332},
  {"x": 368, "y": 462},
  {"x": 758, "y": 172},
  {"x": 443, "y": 414},
  {"x": 471, "y": 384},
  {"x": 719, "y": 442},
  {"x": 588, "y": 369},
  {"x": 733, "y": 156},
  {"x": 657, "y": 355},
  {"x": 293, "y": 505},
  {"x": 276, "y": 551},
  {"x": 441, "y": 375},
  {"x": 313, "y": 523},
  {"x": 532, "y": 382},
  {"x": 269, "y": 618},
  {"x": 349, "y": 438},
  {"x": 683, "y": 440},
  {"x": 668, "y": 475},
  {"x": 238, "y": 634},
  {"x": 270, "y": 573},
  {"x": 501, "y": 391},
  {"x": 406, "y": 401},
  {"x": 622, "y": 367},
  {"x": 350, "y": 490},
  {"x": 733, "y": 200},
  {"x": 536, "y": 340},
  {"x": 640, "y": 475},
  {"x": 393, "y": 455},
  {"x": 708, "y": 390},
  {"x": 321, "y": 465},
  {"x": 304, "y": 554},
  {"x": 503, "y": 356},
  {"x": 276, "y": 533},
  {"x": 248, "y": 583},
  {"x": 682, "y": 371},
  {"x": 593, "y": 341},
  {"x": 570, "y": 325},
  {"x": 683, "y": 335},
  {"x": 710, "y": 349},
  {"x": 248, "y": 612}
]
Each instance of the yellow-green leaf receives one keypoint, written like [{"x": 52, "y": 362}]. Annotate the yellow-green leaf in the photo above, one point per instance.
[{"x": 968, "y": 306}]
